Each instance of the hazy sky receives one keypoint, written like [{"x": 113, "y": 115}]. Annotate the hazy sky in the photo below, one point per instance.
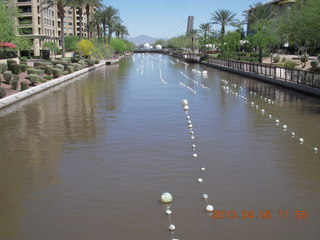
[{"x": 168, "y": 18}]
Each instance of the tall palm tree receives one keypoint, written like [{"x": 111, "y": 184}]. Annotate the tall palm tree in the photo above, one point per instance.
[
  {"x": 97, "y": 21},
  {"x": 110, "y": 16},
  {"x": 120, "y": 30},
  {"x": 89, "y": 4},
  {"x": 223, "y": 18},
  {"x": 258, "y": 12},
  {"x": 61, "y": 4},
  {"x": 205, "y": 29}
]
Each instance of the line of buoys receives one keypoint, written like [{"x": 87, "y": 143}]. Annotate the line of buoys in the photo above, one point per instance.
[
  {"x": 194, "y": 81},
  {"x": 208, "y": 207},
  {"x": 187, "y": 87},
  {"x": 161, "y": 79},
  {"x": 263, "y": 111},
  {"x": 166, "y": 198}
]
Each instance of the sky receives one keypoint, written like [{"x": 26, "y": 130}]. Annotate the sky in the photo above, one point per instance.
[{"x": 168, "y": 18}]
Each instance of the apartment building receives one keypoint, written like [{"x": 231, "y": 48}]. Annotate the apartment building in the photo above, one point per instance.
[{"x": 40, "y": 23}]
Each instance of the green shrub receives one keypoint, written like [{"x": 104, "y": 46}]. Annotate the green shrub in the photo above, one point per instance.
[
  {"x": 284, "y": 59},
  {"x": 70, "y": 69},
  {"x": 23, "y": 67},
  {"x": 24, "y": 85},
  {"x": 82, "y": 63},
  {"x": 15, "y": 68},
  {"x": 9, "y": 62},
  {"x": 65, "y": 63},
  {"x": 3, "y": 67},
  {"x": 75, "y": 59},
  {"x": 304, "y": 57},
  {"x": 76, "y": 67},
  {"x": 33, "y": 78},
  {"x": 55, "y": 62},
  {"x": 314, "y": 64},
  {"x": 90, "y": 62},
  {"x": 31, "y": 70},
  {"x": 60, "y": 66},
  {"x": 96, "y": 61},
  {"x": 276, "y": 58},
  {"x": 7, "y": 76},
  {"x": 56, "y": 72},
  {"x": 2, "y": 92},
  {"x": 290, "y": 64},
  {"x": 23, "y": 59},
  {"x": 48, "y": 69},
  {"x": 15, "y": 82},
  {"x": 48, "y": 77}
]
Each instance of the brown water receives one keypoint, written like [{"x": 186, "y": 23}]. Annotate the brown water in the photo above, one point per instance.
[{"x": 90, "y": 160}]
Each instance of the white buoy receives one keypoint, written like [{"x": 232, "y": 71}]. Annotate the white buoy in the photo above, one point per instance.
[
  {"x": 193, "y": 146},
  {"x": 192, "y": 137},
  {"x": 190, "y": 125},
  {"x": 168, "y": 212},
  {"x": 293, "y": 134},
  {"x": 209, "y": 208},
  {"x": 188, "y": 117},
  {"x": 205, "y": 196},
  {"x": 202, "y": 169},
  {"x": 172, "y": 227},
  {"x": 185, "y": 102},
  {"x": 257, "y": 106},
  {"x": 315, "y": 149},
  {"x": 263, "y": 111},
  {"x": 301, "y": 140},
  {"x": 191, "y": 132},
  {"x": 277, "y": 120},
  {"x": 186, "y": 108},
  {"x": 189, "y": 122},
  {"x": 200, "y": 180},
  {"x": 252, "y": 103},
  {"x": 166, "y": 197},
  {"x": 270, "y": 116},
  {"x": 195, "y": 155},
  {"x": 285, "y": 127}
]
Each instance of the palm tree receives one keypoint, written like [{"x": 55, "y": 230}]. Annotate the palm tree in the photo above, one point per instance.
[
  {"x": 97, "y": 21},
  {"x": 110, "y": 16},
  {"x": 89, "y": 5},
  {"x": 61, "y": 4},
  {"x": 223, "y": 18},
  {"x": 258, "y": 12},
  {"x": 205, "y": 28},
  {"x": 120, "y": 30}
]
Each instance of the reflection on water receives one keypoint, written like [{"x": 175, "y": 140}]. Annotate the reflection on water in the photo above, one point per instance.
[{"x": 90, "y": 159}]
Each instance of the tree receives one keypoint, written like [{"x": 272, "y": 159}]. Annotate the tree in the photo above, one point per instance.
[
  {"x": 265, "y": 36},
  {"x": 109, "y": 17},
  {"x": 205, "y": 28},
  {"x": 6, "y": 23},
  {"x": 223, "y": 18},
  {"x": 71, "y": 43},
  {"x": 61, "y": 4},
  {"x": 232, "y": 41},
  {"x": 23, "y": 43},
  {"x": 160, "y": 42},
  {"x": 91, "y": 4},
  {"x": 258, "y": 12},
  {"x": 120, "y": 30},
  {"x": 300, "y": 23},
  {"x": 87, "y": 48},
  {"x": 52, "y": 46}
]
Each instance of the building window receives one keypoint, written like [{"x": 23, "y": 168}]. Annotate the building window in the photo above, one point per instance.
[
  {"x": 70, "y": 23},
  {"x": 70, "y": 29}
]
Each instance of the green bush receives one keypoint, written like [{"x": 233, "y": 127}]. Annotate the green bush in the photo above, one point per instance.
[
  {"x": 314, "y": 64},
  {"x": 290, "y": 64},
  {"x": 96, "y": 61},
  {"x": 15, "y": 68},
  {"x": 48, "y": 77},
  {"x": 2, "y": 92},
  {"x": 55, "y": 62},
  {"x": 82, "y": 63},
  {"x": 7, "y": 76},
  {"x": 15, "y": 82},
  {"x": 75, "y": 59},
  {"x": 90, "y": 62},
  {"x": 3, "y": 67},
  {"x": 48, "y": 69},
  {"x": 76, "y": 67},
  {"x": 70, "y": 69},
  {"x": 65, "y": 63},
  {"x": 24, "y": 85},
  {"x": 284, "y": 59},
  {"x": 276, "y": 58},
  {"x": 60, "y": 66},
  {"x": 9, "y": 62},
  {"x": 23, "y": 59},
  {"x": 31, "y": 70},
  {"x": 23, "y": 67},
  {"x": 33, "y": 78},
  {"x": 304, "y": 57},
  {"x": 56, "y": 72}
]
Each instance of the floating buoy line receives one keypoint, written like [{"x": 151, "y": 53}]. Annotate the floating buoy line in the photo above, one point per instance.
[
  {"x": 161, "y": 79},
  {"x": 202, "y": 169},
  {"x": 230, "y": 90},
  {"x": 194, "y": 81}
]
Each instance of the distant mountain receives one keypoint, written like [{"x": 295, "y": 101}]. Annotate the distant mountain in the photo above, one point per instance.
[{"x": 142, "y": 39}]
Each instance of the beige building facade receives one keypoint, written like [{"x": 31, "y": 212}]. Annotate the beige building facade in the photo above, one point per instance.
[{"x": 40, "y": 23}]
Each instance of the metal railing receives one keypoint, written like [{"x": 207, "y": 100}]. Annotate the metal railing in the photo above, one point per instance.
[{"x": 311, "y": 79}]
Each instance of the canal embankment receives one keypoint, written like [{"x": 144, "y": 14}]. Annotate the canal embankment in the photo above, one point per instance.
[{"x": 9, "y": 100}]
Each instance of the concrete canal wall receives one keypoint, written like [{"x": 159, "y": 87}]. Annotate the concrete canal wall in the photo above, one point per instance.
[{"x": 7, "y": 101}]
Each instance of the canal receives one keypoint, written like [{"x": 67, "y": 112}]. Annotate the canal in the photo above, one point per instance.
[{"x": 90, "y": 160}]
